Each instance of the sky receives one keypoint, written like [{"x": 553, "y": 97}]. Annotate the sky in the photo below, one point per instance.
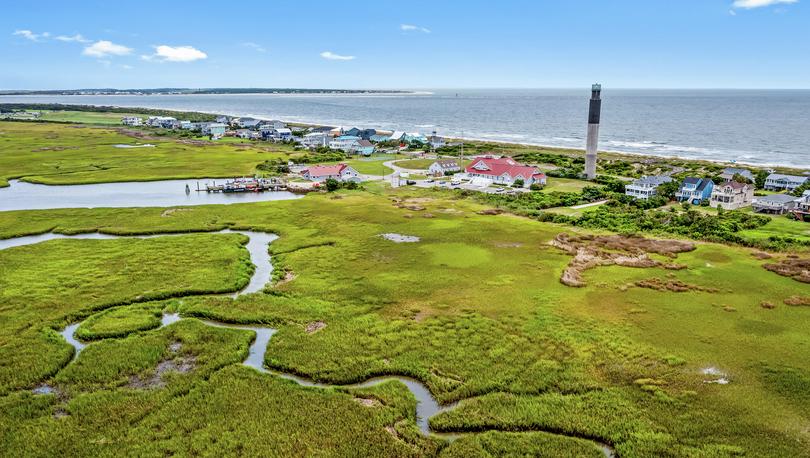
[{"x": 385, "y": 44}]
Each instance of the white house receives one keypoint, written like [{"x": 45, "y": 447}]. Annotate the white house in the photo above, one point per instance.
[
  {"x": 505, "y": 171},
  {"x": 732, "y": 195},
  {"x": 321, "y": 173},
  {"x": 645, "y": 187},
  {"x": 444, "y": 167},
  {"x": 186, "y": 125},
  {"x": 347, "y": 143},
  {"x": 131, "y": 121},
  {"x": 729, "y": 172},
  {"x": 315, "y": 139},
  {"x": 779, "y": 182}
]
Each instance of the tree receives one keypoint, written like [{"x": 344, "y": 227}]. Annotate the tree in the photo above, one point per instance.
[
  {"x": 668, "y": 190},
  {"x": 760, "y": 178},
  {"x": 518, "y": 183},
  {"x": 740, "y": 179},
  {"x": 332, "y": 184}
]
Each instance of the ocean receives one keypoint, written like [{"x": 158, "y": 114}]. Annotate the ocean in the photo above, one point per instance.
[{"x": 760, "y": 127}]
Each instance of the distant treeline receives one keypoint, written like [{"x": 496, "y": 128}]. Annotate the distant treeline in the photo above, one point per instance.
[
  {"x": 184, "y": 115},
  {"x": 223, "y": 90}
]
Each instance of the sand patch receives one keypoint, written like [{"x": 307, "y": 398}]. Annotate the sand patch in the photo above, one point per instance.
[
  {"x": 172, "y": 211},
  {"x": 288, "y": 277},
  {"x": 368, "y": 402},
  {"x": 490, "y": 211},
  {"x": 182, "y": 365},
  {"x": 719, "y": 377},
  {"x": 314, "y": 327},
  {"x": 761, "y": 255},
  {"x": 671, "y": 284},
  {"x": 792, "y": 267},
  {"x": 630, "y": 251},
  {"x": 798, "y": 300},
  {"x": 399, "y": 238}
]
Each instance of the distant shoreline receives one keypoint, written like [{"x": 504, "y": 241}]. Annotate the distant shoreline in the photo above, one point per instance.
[
  {"x": 561, "y": 149},
  {"x": 201, "y": 91}
]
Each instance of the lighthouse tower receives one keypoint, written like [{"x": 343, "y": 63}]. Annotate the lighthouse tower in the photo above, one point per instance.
[{"x": 593, "y": 131}]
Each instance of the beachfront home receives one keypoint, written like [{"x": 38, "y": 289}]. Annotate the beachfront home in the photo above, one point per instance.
[
  {"x": 377, "y": 138},
  {"x": 775, "y": 203},
  {"x": 444, "y": 167},
  {"x": 646, "y": 187},
  {"x": 695, "y": 190},
  {"x": 223, "y": 119},
  {"x": 321, "y": 173},
  {"x": 215, "y": 130},
  {"x": 803, "y": 206},
  {"x": 315, "y": 139},
  {"x": 414, "y": 137},
  {"x": 780, "y": 182},
  {"x": 397, "y": 136},
  {"x": 275, "y": 124},
  {"x": 504, "y": 170},
  {"x": 131, "y": 121},
  {"x": 732, "y": 195},
  {"x": 166, "y": 122},
  {"x": 729, "y": 172},
  {"x": 436, "y": 141},
  {"x": 345, "y": 143},
  {"x": 248, "y": 123},
  {"x": 243, "y": 133},
  {"x": 186, "y": 125},
  {"x": 364, "y": 147},
  {"x": 282, "y": 134},
  {"x": 353, "y": 132}
]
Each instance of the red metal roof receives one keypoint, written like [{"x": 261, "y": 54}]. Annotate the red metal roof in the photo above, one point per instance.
[
  {"x": 325, "y": 170},
  {"x": 498, "y": 166}
]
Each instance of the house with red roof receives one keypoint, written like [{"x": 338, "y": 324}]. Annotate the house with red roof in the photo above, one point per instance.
[
  {"x": 505, "y": 170},
  {"x": 321, "y": 173}
]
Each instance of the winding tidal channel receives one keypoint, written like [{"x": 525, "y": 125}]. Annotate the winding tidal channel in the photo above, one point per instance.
[{"x": 427, "y": 405}]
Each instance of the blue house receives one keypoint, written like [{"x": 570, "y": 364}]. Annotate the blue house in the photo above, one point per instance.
[{"x": 695, "y": 190}]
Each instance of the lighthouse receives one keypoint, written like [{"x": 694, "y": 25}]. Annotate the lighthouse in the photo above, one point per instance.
[{"x": 593, "y": 131}]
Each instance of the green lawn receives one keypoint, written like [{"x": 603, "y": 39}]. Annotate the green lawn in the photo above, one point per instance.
[
  {"x": 86, "y": 117},
  {"x": 566, "y": 184}
]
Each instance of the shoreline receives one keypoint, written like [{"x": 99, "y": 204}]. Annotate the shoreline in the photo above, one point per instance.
[{"x": 560, "y": 149}]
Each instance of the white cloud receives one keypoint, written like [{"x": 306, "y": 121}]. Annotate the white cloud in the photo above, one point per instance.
[
  {"x": 164, "y": 53},
  {"x": 31, "y": 35},
  {"x": 750, "y": 4},
  {"x": 77, "y": 38},
  {"x": 106, "y": 48},
  {"x": 329, "y": 55},
  {"x": 413, "y": 28},
  {"x": 255, "y": 46}
]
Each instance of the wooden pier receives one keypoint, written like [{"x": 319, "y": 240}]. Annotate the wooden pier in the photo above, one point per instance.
[{"x": 245, "y": 185}]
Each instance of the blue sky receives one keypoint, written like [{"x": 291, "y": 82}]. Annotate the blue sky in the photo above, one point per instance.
[{"x": 406, "y": 44}]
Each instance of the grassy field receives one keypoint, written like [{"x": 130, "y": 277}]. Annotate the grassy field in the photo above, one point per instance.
[
  {"x": 566, "y": 184},
  {"x": 76, "y": 154},
  {"x": 85, "y": 117},
  {"x": 475, "y": 310}
]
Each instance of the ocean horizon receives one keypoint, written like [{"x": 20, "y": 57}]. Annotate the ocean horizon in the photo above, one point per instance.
[{"x": 764, "y": 127}]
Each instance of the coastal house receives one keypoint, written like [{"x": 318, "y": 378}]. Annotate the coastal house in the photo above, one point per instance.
[
  {"x": 397, "y": 136},
  {"x": 364, "y": 147},
  {"x": 248, "y": 123},
  {"x": 436, "y": 141},
  {"x": 377, "y": 138},
  {"x": 729, "y": 173},
  {"x": 646, "y": 187},
  {"x": 353, "y": 132},
  {"x": 444, "y": 167},
  {"x": 345, "y": 143},
  {"x": 215, "y": 130},
  {"x": 336, "y": 131},
  {"x": 802, "y": 210},
  {"x": 414, "y": 137},
  {"x": 315, "y": 139},
  {"x": 780, "y": 182},
  {"x": 366, "y": 134},
  {"x": 775, "y": 203},
  {"x": 695, "y": 190},
  {"x": 320, "y": 129},
  {"x": 282, "y": 134},
  {"x": 186, "y": 125},
  {"x": 732, "y": 195},
  {"x": 504, "y": 170},
  {"x": 166, "y": 122},
  {"x": 132, "y": 121},
  {"x": 244, "y": 133},
  {"x": 223, "y": 119},
  {"x": 275, "y": 124},
  {"x": 321, "y": 173}
]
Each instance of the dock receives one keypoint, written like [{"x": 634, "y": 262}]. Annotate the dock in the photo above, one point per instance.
[{"x": 245, "y": 185}]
